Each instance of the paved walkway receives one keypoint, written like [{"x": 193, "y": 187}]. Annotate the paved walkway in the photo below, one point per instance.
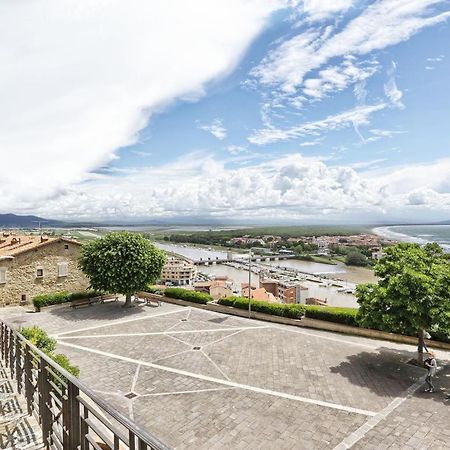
[{"x": 198, "y": 379}]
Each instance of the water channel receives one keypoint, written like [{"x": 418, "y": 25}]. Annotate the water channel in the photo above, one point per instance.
[{"x": 329, "y": 293}]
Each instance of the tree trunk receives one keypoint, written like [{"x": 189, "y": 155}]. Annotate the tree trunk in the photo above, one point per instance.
[
  {"x": 127, "y": 301},
  {"x": 420, "y": 347}
]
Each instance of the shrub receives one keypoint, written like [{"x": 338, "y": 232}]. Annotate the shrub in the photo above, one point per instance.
[
  {"x": 154, "y": 290},
  {"x": 293, "y": 311},
  {"x": 356, "y": 258},
  {"x": 38, "y": 337},
  {"x": 190, "y": 296},
  {"x": 57, "y": 298},
  {"x": 64, "y": 362},
  {"x": 346, "y": 316}
]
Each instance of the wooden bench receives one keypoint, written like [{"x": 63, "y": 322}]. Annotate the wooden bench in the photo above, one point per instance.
[
  {"x": 148, "y": 297},
  {"x": 82, "y": 302},
  {"x": 108, "y": 298},
  {"x": 90, "y": 301}
]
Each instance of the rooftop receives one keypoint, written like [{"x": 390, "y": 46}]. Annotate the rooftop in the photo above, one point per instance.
[{"x": 12, "y": 244}]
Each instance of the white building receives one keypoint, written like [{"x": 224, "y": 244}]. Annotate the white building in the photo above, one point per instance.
[{"x": 178, "y": 272}]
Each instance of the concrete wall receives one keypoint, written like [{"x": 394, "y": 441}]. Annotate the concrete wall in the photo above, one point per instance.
[{"x": 21, "y": 273}]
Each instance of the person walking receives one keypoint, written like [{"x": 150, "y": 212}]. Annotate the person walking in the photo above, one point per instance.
[{"x": 431, "y": 365}]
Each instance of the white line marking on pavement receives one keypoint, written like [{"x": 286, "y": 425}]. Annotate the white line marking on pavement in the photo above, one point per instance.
[
  {"x": 187, "y": 392},
  {"x": 173, "y": 354},
  {"x": 225, "y": 382},
  {"x": 135, "y": 378},
  {"x": 159, "y": 333},
  {"x": 358, "y": 434},
  {"x": 229, "y": 335},
  {"x": 118, "y": 322},
  {"x": 329, "y": 338},
  {"x": 216, "y": 366}
]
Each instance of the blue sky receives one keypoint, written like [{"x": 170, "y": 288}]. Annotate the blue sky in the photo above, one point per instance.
[{"x": 285, "y": 112}]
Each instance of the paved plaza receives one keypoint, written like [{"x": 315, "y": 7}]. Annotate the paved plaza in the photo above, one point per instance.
[{"x": 203, "y": 380}]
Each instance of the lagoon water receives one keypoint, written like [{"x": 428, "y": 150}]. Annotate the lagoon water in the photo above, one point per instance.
[
  {"x": 417, "y": 233},
  {"x": 239, "y": 276}
]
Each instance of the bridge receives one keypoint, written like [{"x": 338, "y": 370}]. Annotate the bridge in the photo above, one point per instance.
[{"x": 244, "y": 259}]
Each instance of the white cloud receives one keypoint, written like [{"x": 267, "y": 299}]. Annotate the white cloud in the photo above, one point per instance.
[
  {"x": 318, "y": 10},
  {"x": 309, "y": 143},
  {"x": 216, "y": 128},
  {"x": 385, "y": 133},
  {"x": 236, "y": 149},
  {"x": 382, "y": 24},
  {"x": 78, "y": 80},
  {"x": 391, "y": 90},
  {"x": 291, "y": 186},
  {"x": 354, "y": 117}
]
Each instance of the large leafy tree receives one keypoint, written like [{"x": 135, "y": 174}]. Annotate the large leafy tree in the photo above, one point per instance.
[
  {"x": 412, "y": 295},
  {"x": 121, "y": 263}
]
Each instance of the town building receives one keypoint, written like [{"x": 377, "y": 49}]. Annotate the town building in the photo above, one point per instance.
[
  {"x": 260, "y": 293},
  {"x": 34, "y": 265},
  {"x": 218, "y": 288},
  {"x": 286, "y": 291},
  {"x": 178, "y": 272}
]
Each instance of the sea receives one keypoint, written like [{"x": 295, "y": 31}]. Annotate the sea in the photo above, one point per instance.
[{"x": 420, "y": 234}]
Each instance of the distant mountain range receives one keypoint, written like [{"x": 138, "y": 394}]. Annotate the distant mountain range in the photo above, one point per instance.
[{"x": 16, "y": 221}]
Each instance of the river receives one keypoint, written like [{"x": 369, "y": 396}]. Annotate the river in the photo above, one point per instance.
[{"x": 239, "y": 276}]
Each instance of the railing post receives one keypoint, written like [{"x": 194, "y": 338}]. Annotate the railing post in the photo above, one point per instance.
[
  {"x": 2, "y": 337},
  {"x": 11, "y": 353},
  {"x": 19, "y": 364},
  {"x": 44, "y": 402},
  {"x": 71, "y": 418},
  {"x": 28, "y": 378}
]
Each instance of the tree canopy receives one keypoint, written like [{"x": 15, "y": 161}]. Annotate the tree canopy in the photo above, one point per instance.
[
  {"x": 121, "y": 262},
  {"x": 413, "y": 293}
]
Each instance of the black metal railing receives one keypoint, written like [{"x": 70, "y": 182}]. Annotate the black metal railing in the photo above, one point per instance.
[{"x": 70, "y": 415}]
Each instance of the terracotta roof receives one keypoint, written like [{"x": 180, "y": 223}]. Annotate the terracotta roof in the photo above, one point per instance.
[{"x": 14, "y": 244}]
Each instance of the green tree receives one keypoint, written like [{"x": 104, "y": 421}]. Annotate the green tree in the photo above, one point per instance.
[
  {"x": 121, "y": 262},
  {"x": 412, "y": 295},
  {"x": 356, "y": 258}
]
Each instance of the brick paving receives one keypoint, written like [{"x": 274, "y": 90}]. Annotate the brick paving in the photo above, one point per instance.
[{"x": 209, "y": 381}]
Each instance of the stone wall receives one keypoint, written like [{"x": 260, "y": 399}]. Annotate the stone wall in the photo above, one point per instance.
[{"x": 21, "y": 277}]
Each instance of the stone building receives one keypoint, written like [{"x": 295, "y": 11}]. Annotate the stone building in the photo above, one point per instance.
[{"x": 33, "y": 265}]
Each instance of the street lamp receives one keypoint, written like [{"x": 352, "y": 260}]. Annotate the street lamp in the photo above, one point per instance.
[{"x": 250, "y": 281}]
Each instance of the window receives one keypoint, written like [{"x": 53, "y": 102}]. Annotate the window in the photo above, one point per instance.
[
  {"x": 2, "y": 275},
  {"x": 66, "y": 246},
  {"x": 63, "y": 269},
  {"x": 39, "y": 272},
  {"x": 24, "y": 298}
]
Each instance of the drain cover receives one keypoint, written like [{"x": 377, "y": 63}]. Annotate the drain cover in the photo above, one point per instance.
[
  {"x": 197, "y": 348},
  {"x": 130, "y": 395}
]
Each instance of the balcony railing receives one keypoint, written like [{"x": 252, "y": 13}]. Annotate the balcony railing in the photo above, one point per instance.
[{"x": 71, "y": 416}]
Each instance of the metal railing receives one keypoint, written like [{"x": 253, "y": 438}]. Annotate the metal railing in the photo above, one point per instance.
[{"x": 70, "y": 415}]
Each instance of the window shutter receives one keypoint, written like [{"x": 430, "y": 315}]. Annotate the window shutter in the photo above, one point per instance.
[{"x": 63, "y": 269}]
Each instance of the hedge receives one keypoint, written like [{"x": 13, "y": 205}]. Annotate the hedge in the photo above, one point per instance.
[
  {"x": 39, "y": 337},
  {"x": 154, "y": 290},
  {"x": 190, "y": 296},
  {"x": 346, "y": 316},
  {"x": 277, "y": 309},
  {"x": 57, "y": 298}
]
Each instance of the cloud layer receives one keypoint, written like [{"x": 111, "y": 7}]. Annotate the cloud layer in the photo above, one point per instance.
[
  {"x": 291, "y": 187},
  {"x": 78, "y": 80}
]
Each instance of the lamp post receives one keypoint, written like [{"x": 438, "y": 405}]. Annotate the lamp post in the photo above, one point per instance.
[{"x": 250, "y": 283}]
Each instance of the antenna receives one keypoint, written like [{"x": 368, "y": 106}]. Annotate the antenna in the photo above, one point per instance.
[{"x": 40, "y": 225}]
